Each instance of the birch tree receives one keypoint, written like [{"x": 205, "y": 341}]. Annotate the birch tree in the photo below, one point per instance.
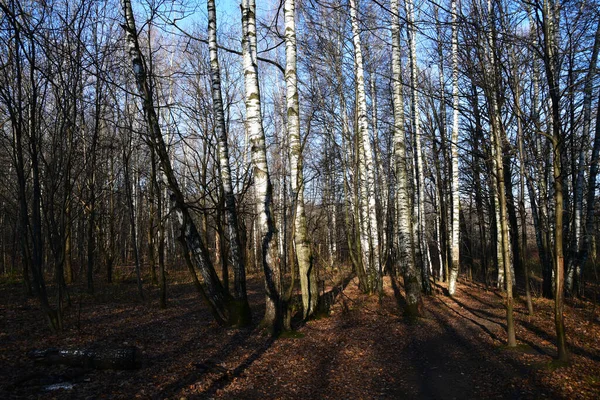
[
  {"x": 498, "y": 138},
  {"x": 274, "y": 311},
  {"x": 454, "y": 143},
  {"x": 419, "y": 175},
  {"x": 368, "y": 214},
  {"x": 405, "y": 240},
  {"x": 308, "y": 276},
  {"x": 235, "y": 245}
]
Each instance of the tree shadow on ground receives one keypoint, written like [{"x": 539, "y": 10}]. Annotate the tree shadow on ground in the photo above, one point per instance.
[
  {"x": 214, "y": 363},
  {"x": 250, "y": 338},
  {"x": 328, "y": 299},
  {"x": 400, "y": 300},
  {"x": 228, "y": 376}
]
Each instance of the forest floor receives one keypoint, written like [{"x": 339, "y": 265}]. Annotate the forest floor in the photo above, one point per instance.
[{"x": 364, "y": 348}]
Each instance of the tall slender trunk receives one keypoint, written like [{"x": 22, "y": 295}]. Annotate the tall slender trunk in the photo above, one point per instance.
[
  {"x": 499, "y": 137},
  {"x": 274, "y": 311},
  {"x": 442, "y": 233},
  {"x": 582, "y": 231},
  {"x": 368, "y": 202},
  {"x": 239, "y": 269},
  {"x": 380, "y": 186},
  {"x": 194, "y": 248},
  {"x": 406, "y": 240},
  {"x": 478, "y": 136},
  {"x": 308, "y": 276},
  {"x": 551, "y": 64},
  {"x": 522, "y": 212},
  {"x": 419, "y": 175},
  {"x": 454, "y": 144},
  {"x": 132, "y": 219},
  {"x": 158, "y": 241}
]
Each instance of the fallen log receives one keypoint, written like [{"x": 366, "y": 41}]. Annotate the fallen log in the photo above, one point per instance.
[{"x": 119, "y": 358}]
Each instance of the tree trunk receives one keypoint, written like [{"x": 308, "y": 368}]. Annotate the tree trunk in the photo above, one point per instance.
[
  {"x": 499, "y": 137},
  {"x": 132, "y": 219},
  {"x": 550, "y": 50},
  {"x": 406, "y": 242},
  {"x": 194, "y": 248},
  {"x": 244, "y": 316},
  {"x": 308, "y": 276},
  {"x": 368, "y": 203},
  {"x": 274, "y": 312},
  {"x": 582, "y": 240},
  {"x": 419, "y": 174},
  {"x": 454, "y": 144}
]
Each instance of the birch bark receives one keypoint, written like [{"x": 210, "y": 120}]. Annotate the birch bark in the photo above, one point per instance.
[
  {"x": 420, "y": 245},
  {"x": 308, "y": 276},
  {"x": 454, "y": 144},
  {"x": 406, "y": 245},
  {"x": 273, "y": 318},
  {"x": 369, "y": 237},
  {"x": 239, "y": 269},
  {"x": 498, "y": 137}
]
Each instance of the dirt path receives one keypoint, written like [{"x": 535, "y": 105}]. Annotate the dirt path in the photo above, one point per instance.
[{"x": 363, "y": 350}]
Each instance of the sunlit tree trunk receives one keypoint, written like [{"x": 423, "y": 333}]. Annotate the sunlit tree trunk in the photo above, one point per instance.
[
  {"x": 455, "y": 182},
  {"x": 308, "y": 276},
  {"x": 273, "y": 319},
  {"x": 368, "y": 204},
  {"x": 498, "y": 137},
  {"x": 239, "y": 269},
  {"x": 420, "y": 242},
  {"x": 405, "y": 239}
]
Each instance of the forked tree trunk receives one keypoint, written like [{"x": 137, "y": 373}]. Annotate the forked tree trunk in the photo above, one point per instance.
[
  {"x": 274, "y": 311},
  {"x": 239, "y": 269},
  {"x": 308, "y": 276}
]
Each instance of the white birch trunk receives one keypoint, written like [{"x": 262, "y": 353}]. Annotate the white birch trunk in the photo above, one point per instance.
[
  {"x": 454, "y": 145},
  {"x": 273, "y": 319},
  {"x": 497, "y": 141},
  {"x": 406, "y": 245},
  {"x": 366, "y": 164},
  {"x": 235, "y": 245},
  {"x": 308, "y": 276},
  {"x": 415, "y": 117}
]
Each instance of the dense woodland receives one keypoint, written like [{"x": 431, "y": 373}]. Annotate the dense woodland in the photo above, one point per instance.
[{"x": 430, "y": 144}]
